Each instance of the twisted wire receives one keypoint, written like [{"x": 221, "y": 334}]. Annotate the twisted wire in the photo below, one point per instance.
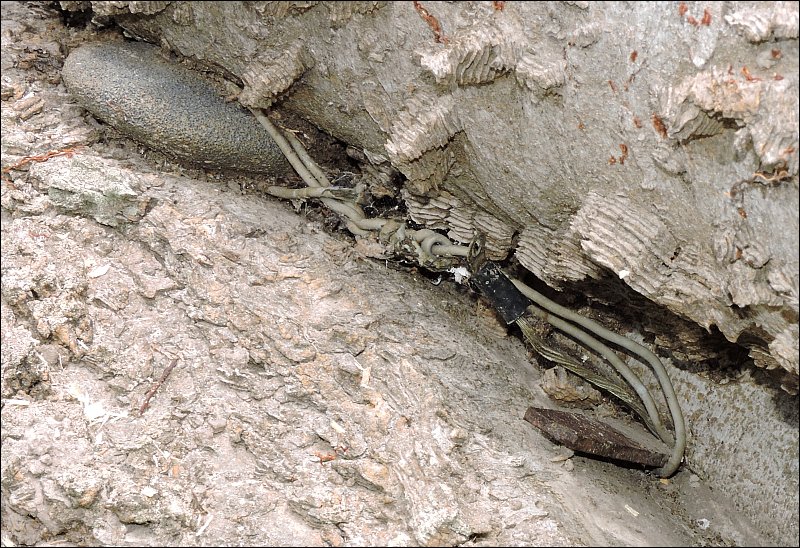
[{"x": 432, "y": 243}]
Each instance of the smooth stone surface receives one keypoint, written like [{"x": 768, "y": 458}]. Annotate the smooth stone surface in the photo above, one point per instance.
[{"x": 168, "y": 108}]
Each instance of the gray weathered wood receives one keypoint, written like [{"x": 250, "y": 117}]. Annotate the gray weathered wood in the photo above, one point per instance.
[{"x": 644, "y": 141}]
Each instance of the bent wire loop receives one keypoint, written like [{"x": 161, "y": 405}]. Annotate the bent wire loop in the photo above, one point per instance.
[{"x": 431, "y": 244}]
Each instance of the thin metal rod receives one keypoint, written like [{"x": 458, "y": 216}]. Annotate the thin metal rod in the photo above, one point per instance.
[{"x": 658, "y": 368}]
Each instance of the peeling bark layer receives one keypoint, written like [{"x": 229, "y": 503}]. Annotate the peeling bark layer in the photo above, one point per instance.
[
  {"x": 582, "y": 128},
  {"x": 656, "y": 143}
]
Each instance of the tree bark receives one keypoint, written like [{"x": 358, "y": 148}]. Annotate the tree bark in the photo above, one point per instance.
[
  {"x": 650, "y": 146},
  {"x": 657, "y": 143}
]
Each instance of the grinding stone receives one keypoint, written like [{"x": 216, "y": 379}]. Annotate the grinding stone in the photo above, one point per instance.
[{"x": 169, "y": 108}]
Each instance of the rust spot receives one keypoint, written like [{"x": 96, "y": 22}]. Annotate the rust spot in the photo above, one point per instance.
[
  {"x": 776, "y": 53},
  {"x": 433, "y": 23},
  {"x": 749, "y": 77},
  {"x": 658, "y": 123},
  {"x": 637, "y": 122},
  {"x": 777, "y": 77},
  {"x": 692, "y": 21},
  {"x": 613, "y": 86},
  {"x": 682, "y": 9},
  {"x": 624, "y": 148},
  {"x": 68, "y": 152},
  {"x": 770, "y": 178},
  {"x": 634, "y": 55},
  {"x": 612, "y": 160},
  {"x": 324, "y": 457},
  {"x": 580, "y": 125},
  {"x": 788, "y": 150},
  {"x": 706, "y": 20},
  {"x": 498, "y": 6},
  {"x": 742, "y": 212}
]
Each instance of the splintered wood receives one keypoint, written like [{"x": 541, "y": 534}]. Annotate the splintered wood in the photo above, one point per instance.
[{"x": 586, "y": 435}]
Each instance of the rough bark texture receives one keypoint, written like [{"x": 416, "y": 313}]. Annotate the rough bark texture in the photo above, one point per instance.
[
  {"x": 656, "y": 144},
  {"x": 652, "y": 142}
]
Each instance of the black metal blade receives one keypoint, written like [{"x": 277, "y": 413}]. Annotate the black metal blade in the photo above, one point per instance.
[{"x": 504, "y": 296}]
